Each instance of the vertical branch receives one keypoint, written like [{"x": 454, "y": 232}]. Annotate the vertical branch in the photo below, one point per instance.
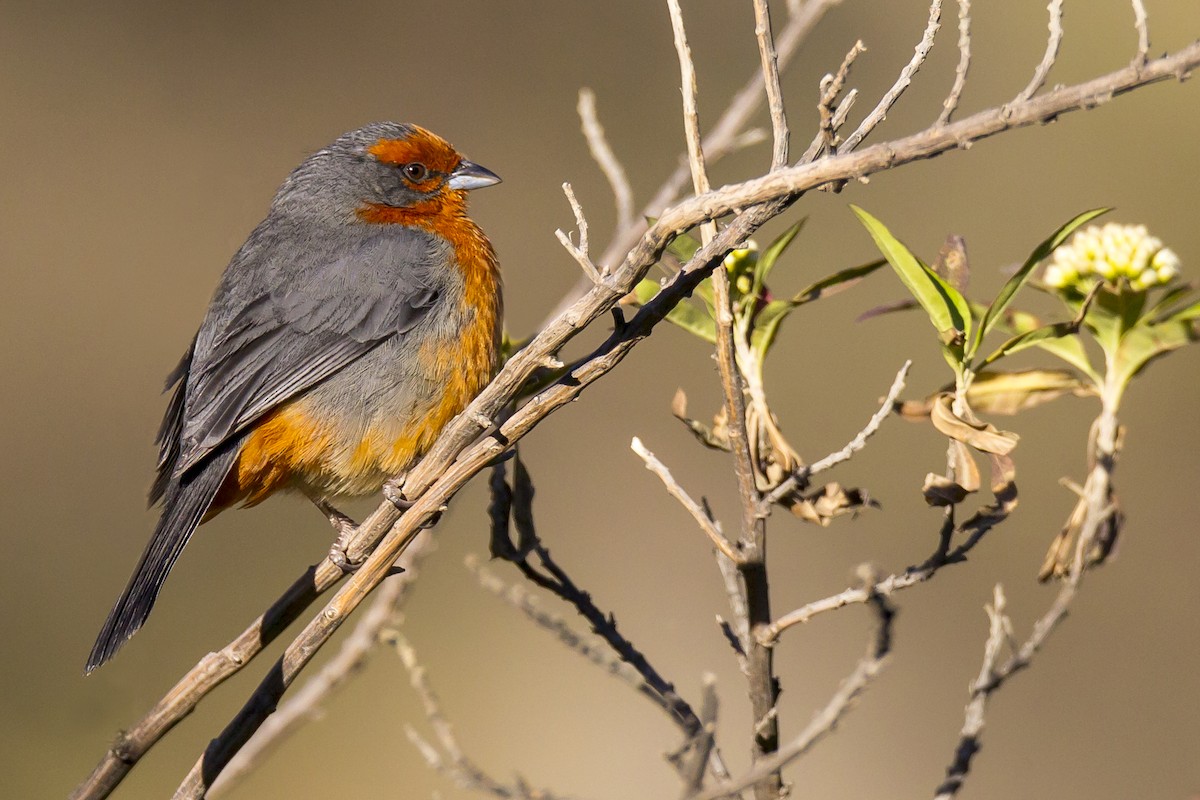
[
  {"x": 964, "y": 62},
  {"x": 770, "y": 70},
  {"x": 1143, "y": 31},
  {"x": 753, "y": 541},
  {"x": 1048, "y": 58}
]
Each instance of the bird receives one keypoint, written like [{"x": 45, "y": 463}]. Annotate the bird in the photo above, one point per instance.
[{"x": 358, "y": 318}]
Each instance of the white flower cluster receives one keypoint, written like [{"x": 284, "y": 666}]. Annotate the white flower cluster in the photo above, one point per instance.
[{"x": 1112, "y": 252}]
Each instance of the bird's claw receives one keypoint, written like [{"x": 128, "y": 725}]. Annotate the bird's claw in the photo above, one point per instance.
[
  {"x": 339, "y": 558},
  {"x": 392, "y": 491}
]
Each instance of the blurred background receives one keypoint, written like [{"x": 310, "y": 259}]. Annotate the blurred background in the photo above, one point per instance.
[{"x": 142, "y": 141}]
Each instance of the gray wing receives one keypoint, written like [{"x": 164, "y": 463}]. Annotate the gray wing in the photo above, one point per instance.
[{"x": 296, "y": 326}]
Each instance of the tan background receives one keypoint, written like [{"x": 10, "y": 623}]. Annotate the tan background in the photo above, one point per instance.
[{"x": 141, "y": 141}]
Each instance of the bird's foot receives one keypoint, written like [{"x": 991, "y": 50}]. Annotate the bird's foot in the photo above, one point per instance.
[
  {"x": 394, "y": 494},
  {"x": 339, "y": 558}
]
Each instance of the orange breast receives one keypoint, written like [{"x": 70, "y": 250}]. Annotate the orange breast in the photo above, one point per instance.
[{"x": 293, "y": 446}]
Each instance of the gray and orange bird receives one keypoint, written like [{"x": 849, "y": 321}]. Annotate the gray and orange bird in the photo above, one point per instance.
[{"x": 359, "y": 317}]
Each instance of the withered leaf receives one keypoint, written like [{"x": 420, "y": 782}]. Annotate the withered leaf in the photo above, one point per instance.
[
  {"x": 942, "y": 491},
  {"x": 981, "y": 436}
]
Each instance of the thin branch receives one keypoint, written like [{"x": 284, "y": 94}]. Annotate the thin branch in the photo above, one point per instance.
[
  {"x": 707, "y": 524},
  {"x": 976, "y": 527},
  {"x": 950, "y": 105},
  {"x": 453, "y": 459},
  {"x": 752, "y": 566},
  {"x": 579, "y": 252},
  {"x": 829, "y": 716},
  {"x": 800, "y": 478},
  {"x": 770, "y": 68},
  {"x": 831, "y": 87},
  {"x": 906, "y": 75},
  {"x": 1000, "y": 629},
  {"x": 1043, "y": 69},
  {"x": 603, "y": 154},
  {"x": 701, "y": 745},
  {"x": 1141, "y": 23},
  {"x": 455, "y": 765},
  {"x": 525, "y": 602},
  {"x": 306, "y": 705}
]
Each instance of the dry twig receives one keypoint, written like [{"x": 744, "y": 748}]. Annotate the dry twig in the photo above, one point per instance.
[
  {"x": 800, "y": 478},
  {"x": 825, "y": 720},
  {"x": 1048, "y": 58},
  {"x": 707, "y": 524},
  {"x": 950, "y": 105},
  {"x": 906, "y": 75}
]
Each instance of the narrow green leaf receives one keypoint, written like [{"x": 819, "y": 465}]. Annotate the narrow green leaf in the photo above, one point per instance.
[
  {"x": 1030, "y": 338},
  {"x": 946, "y": 307},
  {"x": 768, "y": 257},
  {"x": 1184, "y": 314},
  {"x": 837, "y": 282},
  {"x": 1010, "y": 288},
  {"x": 684, "y": 314},
  {"x": 766, "y": 325}
]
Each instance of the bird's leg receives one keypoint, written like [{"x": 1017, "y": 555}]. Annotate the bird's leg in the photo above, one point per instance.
[
  {"x": 345, "y": 528},
  {"x": 393, "y": 492}
]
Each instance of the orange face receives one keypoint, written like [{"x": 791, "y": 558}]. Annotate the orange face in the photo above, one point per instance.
[{"x": 419, "y": 149}]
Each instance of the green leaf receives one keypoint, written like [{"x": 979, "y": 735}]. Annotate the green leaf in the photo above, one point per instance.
[
  {"x": 683, "y": 247},
  {"x": 684, "y": 314},
  {"x": 1147, "y": 342},
  {"x": 766, "y": 325},
  {"x": 1037, "y": 336},
  {"x": 1169, "y": 298},
  {"x": 1013, "y": 284},
  {"x": 837, "y": 282},
  {"x": 946, "y": 307},
  {"x": 1185, "y": 314},
  {"x": 1070, "y": 349},
  {"x": 766, "y": 261}
]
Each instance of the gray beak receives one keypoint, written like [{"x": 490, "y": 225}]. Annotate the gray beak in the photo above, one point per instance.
[{"x": 470, "y": 175}]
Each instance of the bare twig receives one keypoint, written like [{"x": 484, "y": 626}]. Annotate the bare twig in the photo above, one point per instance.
[
  {"x": 752, "y": 566},
  {"x": 603, "y": 154},
  {"x": 450, "y": 463},
  {"x": 520, "y": 599},
  {"x": 770, "y": 69},
  {"x": 579, "y": 252},
  {"x": 999, "y": 632},
  {"x": 306, "y": 705},
  {"x": 964, "y": 62},
  {"x": 1055, "y": 39},
  {"x": 831, "y": 87},
  {"x": 548, "y": 575},
  {"x": 702, "y": 743},
  {"x": 856, "y": 444},
  {"x": 1143, "y": 31},
  {"x": 906, "y": 75},
  {"x": 707, "y": 524},
  {"x": 455, "y": 764},
  {"x": 825, "y": 720}
]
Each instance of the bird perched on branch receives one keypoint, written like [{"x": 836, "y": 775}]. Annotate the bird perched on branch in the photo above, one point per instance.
[{"x": 358, "y": 319}]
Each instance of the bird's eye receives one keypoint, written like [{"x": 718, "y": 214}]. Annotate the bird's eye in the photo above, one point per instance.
[{"x": 415, "y": 171}]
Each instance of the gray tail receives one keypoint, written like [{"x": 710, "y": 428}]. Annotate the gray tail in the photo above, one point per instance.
[{"x": 185, "y": 499}]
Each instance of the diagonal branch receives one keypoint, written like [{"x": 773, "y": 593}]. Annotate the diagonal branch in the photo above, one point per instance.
[{"x": 906, "y": 75}]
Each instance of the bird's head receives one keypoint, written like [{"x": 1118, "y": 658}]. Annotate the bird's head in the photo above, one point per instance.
[{"x": 383, "y": 172}]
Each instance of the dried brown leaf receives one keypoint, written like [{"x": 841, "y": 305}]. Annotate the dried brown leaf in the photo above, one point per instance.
[
  {"x": 981, "y": 436},
  {"x": 942, "y": 491}
]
